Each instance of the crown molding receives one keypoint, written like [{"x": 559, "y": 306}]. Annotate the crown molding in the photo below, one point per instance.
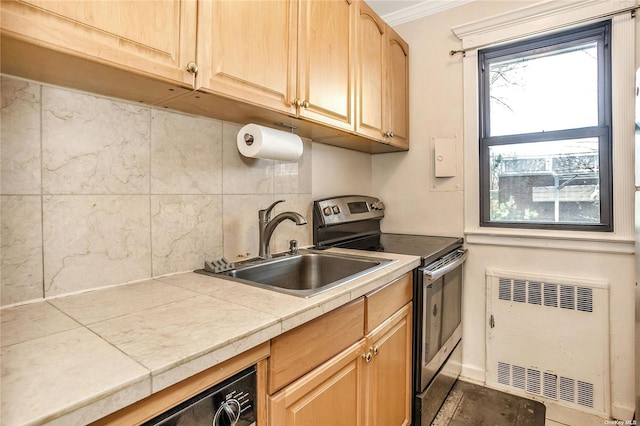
[{"x": 428, "y": 7}]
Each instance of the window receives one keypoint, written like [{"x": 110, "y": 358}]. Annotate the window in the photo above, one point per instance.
[{"x": 545, "y": 132}]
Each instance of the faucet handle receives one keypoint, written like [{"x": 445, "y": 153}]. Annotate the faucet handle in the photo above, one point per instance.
[
  {"x": 293, "y": 246},
  {"x": 265, "y": 214}
]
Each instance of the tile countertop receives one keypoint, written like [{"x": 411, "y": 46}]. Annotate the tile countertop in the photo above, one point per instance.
[{"x": 75, "y": 359}]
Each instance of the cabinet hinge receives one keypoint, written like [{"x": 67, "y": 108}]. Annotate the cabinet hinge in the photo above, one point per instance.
[{"x": 492, "y": 322}]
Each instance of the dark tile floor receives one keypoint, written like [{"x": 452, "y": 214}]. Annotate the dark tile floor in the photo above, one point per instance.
[{"x": 469, "y": 404}]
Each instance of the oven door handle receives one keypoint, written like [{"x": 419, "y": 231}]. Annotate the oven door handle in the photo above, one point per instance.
[{"x": 432, "y": 275}]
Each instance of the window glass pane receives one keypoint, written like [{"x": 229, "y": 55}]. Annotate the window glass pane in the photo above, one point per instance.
[
  {"x": 552, "y": 182},
  {"x": 543, "y": 92}
]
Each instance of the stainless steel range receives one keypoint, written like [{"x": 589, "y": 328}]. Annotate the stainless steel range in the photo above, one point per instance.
[{"x": 354, "y": 222}]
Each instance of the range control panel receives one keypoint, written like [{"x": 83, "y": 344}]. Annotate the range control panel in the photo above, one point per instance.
[{"x": 348, "y": 208}]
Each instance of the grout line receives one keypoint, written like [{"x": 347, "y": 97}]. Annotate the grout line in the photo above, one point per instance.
[
  {"x": 150, "y": 141},
  {"x": 42, "y": 196}
]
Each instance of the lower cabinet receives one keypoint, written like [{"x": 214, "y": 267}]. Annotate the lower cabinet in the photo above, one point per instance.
[
  {"x": 331, "y": 394},
  {"x": 368, "y": 383},
  {"x": 388, "y": 390}
]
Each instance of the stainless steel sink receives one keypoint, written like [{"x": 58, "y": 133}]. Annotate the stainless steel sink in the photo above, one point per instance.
[{"x": 304, "y": 274}]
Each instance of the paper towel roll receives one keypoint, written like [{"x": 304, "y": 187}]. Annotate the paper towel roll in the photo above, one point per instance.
[{"x": 263, "y": 142}]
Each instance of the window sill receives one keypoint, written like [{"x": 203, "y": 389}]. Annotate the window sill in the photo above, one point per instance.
[{"x": 586, "y": 242}]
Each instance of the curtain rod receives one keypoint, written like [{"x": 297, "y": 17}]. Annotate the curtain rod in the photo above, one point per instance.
[{"x": 632, "y": 9}]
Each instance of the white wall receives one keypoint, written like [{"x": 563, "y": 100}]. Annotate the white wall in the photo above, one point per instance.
[
  {"x": 418, "y": 202},
  {"x": 339, "y": 171}
]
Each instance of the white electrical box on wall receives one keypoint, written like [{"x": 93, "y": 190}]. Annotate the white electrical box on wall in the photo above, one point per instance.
[{"x": 445, "y": 156}]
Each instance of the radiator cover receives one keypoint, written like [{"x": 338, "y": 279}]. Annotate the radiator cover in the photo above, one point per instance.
[{"x": 548, "y": 338}]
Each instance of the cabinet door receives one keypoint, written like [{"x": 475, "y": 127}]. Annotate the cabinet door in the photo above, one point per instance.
[
  {"x": 326, "y": 61},
  {"x": 147, "y": 37},
  {"x": 397, "y": 89},
  {"x": 330, "y": 395},
  {"x": 247, "y": 50},
  {"x": 370, "y": 95},
  {"x": 389, "y": 393}
]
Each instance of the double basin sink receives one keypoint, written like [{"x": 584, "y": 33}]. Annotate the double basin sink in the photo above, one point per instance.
[{"x": 304, "y": 274}]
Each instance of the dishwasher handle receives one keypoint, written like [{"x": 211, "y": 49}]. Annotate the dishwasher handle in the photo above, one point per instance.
[{"x": 445, "y": 265}]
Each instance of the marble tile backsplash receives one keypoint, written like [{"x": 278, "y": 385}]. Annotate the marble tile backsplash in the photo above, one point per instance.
[{"x": 97, "y": 192}]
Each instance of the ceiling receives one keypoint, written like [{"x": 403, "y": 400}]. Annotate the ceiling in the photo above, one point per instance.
[{"x": 396, "y": 12}]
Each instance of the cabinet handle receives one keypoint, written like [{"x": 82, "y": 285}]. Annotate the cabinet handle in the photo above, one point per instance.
[
  {"x": 192, "y": 67},
  {"x": 297, "y": 103},
  {"x": 367, "y": 357},
  {"x": 374, "y": 349},
  {"x": 305, "y": 104},
  {"x": 388, "y": 134}
]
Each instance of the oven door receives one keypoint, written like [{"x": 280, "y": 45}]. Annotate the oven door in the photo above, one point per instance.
[{"x": 441, "y": 313}]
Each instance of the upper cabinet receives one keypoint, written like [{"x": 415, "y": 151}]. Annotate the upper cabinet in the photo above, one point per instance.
[
  {"x": 155, "y": 38},
  {"x": 382, "y": 96},
  {"x": 371, "y": 96},
  {"x": 397, "y": 81},
  {"x": 291, "y": 56},
  {"x": 247, "y": 50},
  {"x": 331, "y": 70},
  {"x": 326, "y": 61}
]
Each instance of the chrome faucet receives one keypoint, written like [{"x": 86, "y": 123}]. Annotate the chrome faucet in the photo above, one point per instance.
[{"x": 268, "y": 225}]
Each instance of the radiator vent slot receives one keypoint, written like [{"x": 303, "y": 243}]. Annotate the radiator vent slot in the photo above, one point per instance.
[
  {"x": 504, "y": 373},
  {"x": 585, "y": 299},
  {"x": 533, "y": 381},
  {"x": 585, "y": 394},
  {"x": 520, "y": 291},
  {"x": 553, "y": 295},
  {"x": 567, "y": 297},
  {"x": 546, "y": 384},
  {"x": 567, "y": 387},
  {"x": 535, "y": 293},
  {"x": 550, "y": 385},
  {"x": 505, "y": 289}
]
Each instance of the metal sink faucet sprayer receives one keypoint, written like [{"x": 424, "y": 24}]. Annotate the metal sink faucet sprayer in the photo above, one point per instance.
[{"x": 268, "y": 225}]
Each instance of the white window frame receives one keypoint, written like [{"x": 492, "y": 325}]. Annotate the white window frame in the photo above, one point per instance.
[{"x": 539, "y": 19}]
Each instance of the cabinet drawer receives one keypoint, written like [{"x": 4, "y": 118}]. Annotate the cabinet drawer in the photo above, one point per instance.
[
  {"x": 384, "y": 302},
  {"x": 302, "y": 349}
]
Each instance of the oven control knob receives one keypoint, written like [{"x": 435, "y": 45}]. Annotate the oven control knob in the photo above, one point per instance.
[
  {"x": 327, "y": 211},
  {"x": 336, "y": 209},
  {"x": 228, "y": 413},
  {"x": 377, "y": 205}
]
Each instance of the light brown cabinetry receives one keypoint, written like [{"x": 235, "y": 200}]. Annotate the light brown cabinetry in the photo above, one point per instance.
[
  {"x": 300, "y": 350},
  {"x": 247, "y": 50},
  {"x": 368, "y": 383},
  {"x": 332, "y": 394},
  {"x": 289, "y": 61},
  {"x": 388, "y": 374},
  {"x": 397, "y": 90},
  {"x": 382, "y": 81},
  {"x": 294, "y": 56},
  {"x": 146, "y": 38},
  {"x": 326, "y": 61}
]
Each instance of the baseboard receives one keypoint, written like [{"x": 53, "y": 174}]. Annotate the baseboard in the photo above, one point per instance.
[{"x": 473, "y": 374}]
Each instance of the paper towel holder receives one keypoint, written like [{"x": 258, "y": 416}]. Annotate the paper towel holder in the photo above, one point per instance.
[
  {"x": 256, "y": 141},
  {"x": 286, "y": 126}
]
